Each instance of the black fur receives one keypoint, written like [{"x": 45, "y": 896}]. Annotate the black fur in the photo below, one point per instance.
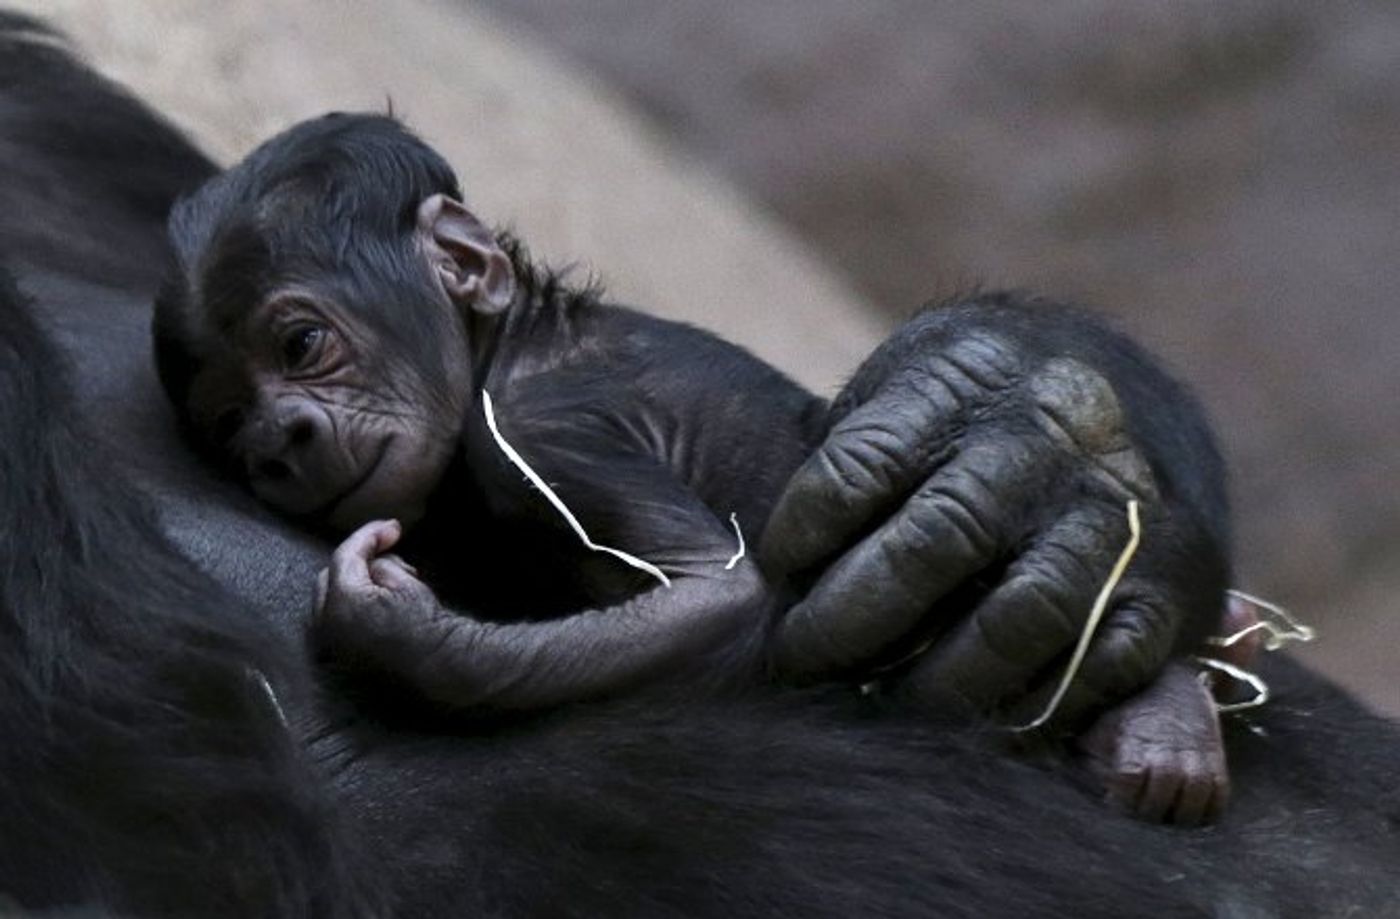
[
  {"x": 134, "y": 697},
  {"x": 86, "y": 166}
]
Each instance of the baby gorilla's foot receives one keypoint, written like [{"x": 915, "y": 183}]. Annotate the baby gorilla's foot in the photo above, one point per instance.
[{"x": 1159, "y": 754}]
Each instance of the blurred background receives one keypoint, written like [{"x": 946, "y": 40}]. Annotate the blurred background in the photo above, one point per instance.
[{"x": 1222, "y": 179}]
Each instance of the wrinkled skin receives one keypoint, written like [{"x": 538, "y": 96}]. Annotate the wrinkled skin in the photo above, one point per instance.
[
  {"x": 324, "y": 416},
  {"x": 999, "y": 442},
  {"x": 319, "y": 443}
]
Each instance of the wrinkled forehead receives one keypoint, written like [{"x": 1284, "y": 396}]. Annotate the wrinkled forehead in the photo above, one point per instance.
[
  {"x": 252, "y": 265},
  {"x": 359, "y": 272},
  {"x": 246, "y": 305},
  {"x": 241, "y": 351}
]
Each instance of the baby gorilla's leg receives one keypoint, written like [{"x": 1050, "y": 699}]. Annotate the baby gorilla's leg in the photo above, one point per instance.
[{"x": 1160, "y": 754}]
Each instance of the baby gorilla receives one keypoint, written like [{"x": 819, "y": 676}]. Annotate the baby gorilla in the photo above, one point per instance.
[{"x": 336, "y": 327}]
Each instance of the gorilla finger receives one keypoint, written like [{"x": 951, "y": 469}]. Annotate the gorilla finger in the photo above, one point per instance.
[
  {"x": 1219, "y": 799},
  {"x": 1131, "y": 646},
  {"x": 946, "y": 532},
  {"x": 1124, "y": 785},
  {"x": 350, "y": 561},
  {"x": 372, "y": 539},
  {"x": 390, "y": 572},
  {"x": 981, "y": 662},
  {"x": 1238, "y": 619},
  {"x": 399, "y": 560},
  {"x": 1033, "y": 617},
  {"x": 870, "y": 460}
]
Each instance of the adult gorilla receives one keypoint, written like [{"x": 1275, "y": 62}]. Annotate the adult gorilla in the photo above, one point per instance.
[{"x": 164, "y": 756}]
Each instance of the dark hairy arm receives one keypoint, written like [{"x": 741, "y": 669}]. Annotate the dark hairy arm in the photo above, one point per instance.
[
  {"x": 706, "y": 625},
  {"x": 970, "y": 498},
  {"x": 375, "y": 613}
]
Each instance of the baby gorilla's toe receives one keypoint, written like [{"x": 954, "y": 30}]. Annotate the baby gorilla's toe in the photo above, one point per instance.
[{"x": 1165, "y": 785}]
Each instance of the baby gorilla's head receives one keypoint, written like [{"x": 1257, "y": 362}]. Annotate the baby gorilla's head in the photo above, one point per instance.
[{"x": 314, "y": 332}]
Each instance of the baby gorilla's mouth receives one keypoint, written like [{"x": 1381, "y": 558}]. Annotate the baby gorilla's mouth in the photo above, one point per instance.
[{"x": 327, "y": 510}]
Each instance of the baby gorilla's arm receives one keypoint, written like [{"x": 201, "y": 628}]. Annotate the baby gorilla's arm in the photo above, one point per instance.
[{"x": 373, "y": 612}]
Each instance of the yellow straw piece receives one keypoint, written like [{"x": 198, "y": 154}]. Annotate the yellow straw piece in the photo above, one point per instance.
[{"x": 1095, "y": 614}]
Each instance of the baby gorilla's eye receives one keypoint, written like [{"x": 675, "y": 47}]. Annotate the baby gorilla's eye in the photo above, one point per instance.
[{"x": 302, "y": 345}]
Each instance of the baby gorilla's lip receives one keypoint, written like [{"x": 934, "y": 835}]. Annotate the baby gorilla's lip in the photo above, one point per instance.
[{"x": 327, "y": 510}]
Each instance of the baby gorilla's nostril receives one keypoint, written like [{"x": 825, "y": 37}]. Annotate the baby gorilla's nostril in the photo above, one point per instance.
[
  {"x": 302, "y": 433},
  {"x": 272, "y": 470}
]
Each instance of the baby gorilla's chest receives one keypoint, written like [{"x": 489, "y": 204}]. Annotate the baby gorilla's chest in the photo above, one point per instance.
[{"x": 505, "y": 570}]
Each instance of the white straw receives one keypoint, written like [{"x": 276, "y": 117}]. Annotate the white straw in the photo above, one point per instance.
[
  {"x": 519, "y": 462},
  {"x": 1261, "y": 689},
  {"x": 734, "y": 520}
]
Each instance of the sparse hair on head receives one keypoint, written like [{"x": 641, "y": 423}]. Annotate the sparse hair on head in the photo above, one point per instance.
[{"x": 331, "y": 200}]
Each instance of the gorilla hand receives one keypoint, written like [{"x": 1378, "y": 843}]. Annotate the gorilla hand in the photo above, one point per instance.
[
  {"x": 969, "y": 502},
  {"x": 371, "y": 609}
]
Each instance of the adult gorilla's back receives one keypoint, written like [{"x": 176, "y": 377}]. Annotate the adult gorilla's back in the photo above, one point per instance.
[{"x": 147, "y": 766}]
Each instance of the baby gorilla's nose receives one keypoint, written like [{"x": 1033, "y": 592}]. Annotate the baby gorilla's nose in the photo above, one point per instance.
[
  {"x": 302, "y": 433},
  {"x": 274, "y": 441},
  {"x": 281, "y": 453}
]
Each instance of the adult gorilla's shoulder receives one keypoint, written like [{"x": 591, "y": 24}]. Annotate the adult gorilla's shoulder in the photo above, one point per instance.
[
  {"x": 89, "y": 172},
  {"x": 149, "y": 654}
]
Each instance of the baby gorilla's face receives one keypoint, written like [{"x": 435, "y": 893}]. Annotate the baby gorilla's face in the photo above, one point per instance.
[{"x": 322, "y": 416}]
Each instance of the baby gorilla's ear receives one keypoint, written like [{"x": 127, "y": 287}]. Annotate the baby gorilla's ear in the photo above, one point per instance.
[{"x": 464, "y": 253}]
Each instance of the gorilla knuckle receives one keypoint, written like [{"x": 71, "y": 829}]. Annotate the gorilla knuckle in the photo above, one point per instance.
[
  {"x": 1044, "y": 591},
  {"x": 988, "y": 358},
  {"x": 1075, "y": 557},
  {"x": 1081, "y": 401},
  {"x": 1031, "y": 623},
  {"x": 942, "y": 513},
  {"x": 871, "y": 456},
  {"x": 836, "y": 475},
  {"x": 1078, "y": 409}
]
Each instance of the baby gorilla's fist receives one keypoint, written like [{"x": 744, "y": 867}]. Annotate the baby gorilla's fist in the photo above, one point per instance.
[{"x": 371, "y": 611}]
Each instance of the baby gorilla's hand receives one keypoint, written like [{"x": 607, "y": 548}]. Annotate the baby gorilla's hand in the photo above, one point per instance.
[{"x": 371, "y": 609}]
